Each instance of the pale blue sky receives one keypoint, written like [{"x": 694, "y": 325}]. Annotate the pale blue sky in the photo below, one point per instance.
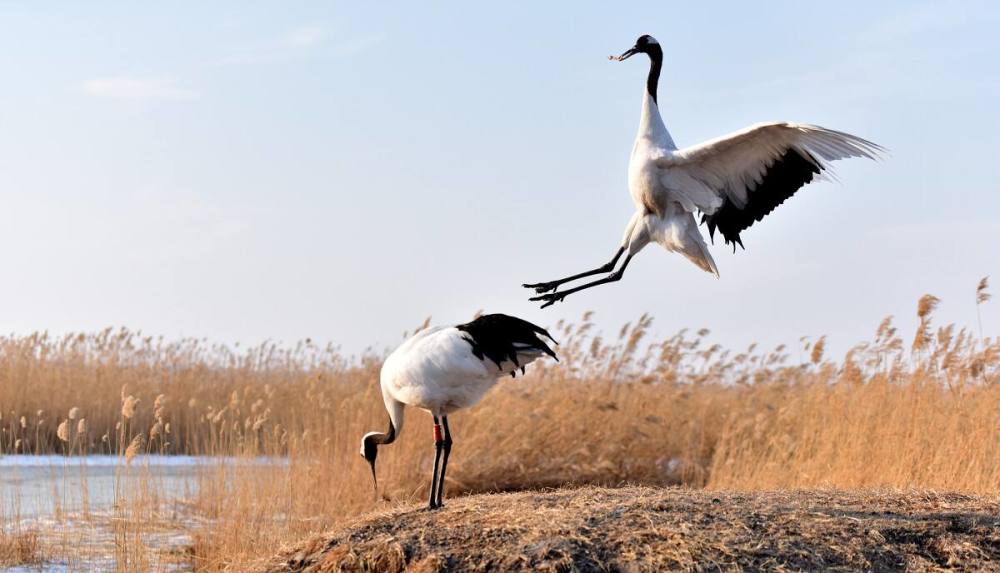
[{"x": 340, "y": 171}]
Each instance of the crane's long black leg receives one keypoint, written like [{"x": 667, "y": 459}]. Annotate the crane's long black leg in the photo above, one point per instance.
[
  {"x": 554, "y": 297},
  {"x": 432, "y": 502},
  {"x": 553, "y": 285},
  {"x": 444, "y": 462}
]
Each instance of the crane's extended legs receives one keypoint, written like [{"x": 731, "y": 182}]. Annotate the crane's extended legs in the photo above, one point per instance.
[
  {"x": 553, "y": 285},
  {"x": 433, "y": 502},
  {"x": 444, "y": 462},
  {"x": 554, "y": 297}
]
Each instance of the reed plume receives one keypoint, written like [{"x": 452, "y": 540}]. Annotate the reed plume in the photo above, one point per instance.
[
  {"x": 129, "y": 405},
  {"x": 134, "y": 448},
  {"x": 925, "y": 307},
  {"x": 816, "y": 356},
  {"x": 62, "y": 432},
  {"x": 982, "y": 297}
]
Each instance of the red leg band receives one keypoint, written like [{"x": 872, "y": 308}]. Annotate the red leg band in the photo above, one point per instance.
[{"x": 437, "y": 433}]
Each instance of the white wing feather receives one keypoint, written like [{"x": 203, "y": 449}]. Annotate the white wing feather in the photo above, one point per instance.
[{"x": 731, "y": 166}]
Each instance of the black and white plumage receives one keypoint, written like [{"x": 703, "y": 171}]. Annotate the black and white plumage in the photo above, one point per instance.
[
  {"x": 447, "y": 368},
  {"x": 732, "y": 181}
]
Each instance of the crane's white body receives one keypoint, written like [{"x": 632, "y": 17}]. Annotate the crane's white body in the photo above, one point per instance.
[
  {"x": 659, "y": 216},
  {"x": 436, "y": 370}
]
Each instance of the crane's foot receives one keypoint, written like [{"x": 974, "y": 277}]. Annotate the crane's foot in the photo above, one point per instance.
[
  {"x": 549, "y": 299},
  {"x": 543, "y": 287},
  {"x": 433, "y": 506}
]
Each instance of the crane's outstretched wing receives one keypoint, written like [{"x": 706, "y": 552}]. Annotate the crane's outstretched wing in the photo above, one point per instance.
[{"x": 737, "y": 179}]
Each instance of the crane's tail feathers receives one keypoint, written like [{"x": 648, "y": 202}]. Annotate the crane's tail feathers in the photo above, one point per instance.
[
  {"x": 695, "y": 248},
  {"x": 499, "y": 338},
  {"x": 703, "y": 259}
]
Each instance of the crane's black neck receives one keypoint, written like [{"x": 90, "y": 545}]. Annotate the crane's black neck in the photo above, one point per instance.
[
  {"x": 386, "y": 438},
  {"x": 374, "y": 440},
  {"x": 655, "y": 64}
]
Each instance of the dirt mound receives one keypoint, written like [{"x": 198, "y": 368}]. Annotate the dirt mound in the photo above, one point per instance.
[{"x": 651, "y": 529}]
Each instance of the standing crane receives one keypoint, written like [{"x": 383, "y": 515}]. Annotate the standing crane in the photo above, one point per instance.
[{"x": 447, "y": 368}]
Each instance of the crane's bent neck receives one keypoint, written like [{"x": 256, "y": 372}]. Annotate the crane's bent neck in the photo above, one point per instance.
[
  {"x": 395, "y": 409},
  {"x": 650, "y": 123}
]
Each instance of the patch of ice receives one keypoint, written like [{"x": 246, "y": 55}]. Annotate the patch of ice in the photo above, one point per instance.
[{"x": 32, "y": 461}]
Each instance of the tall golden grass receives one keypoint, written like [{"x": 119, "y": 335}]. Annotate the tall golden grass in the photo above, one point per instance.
[{"x": 921, "y": 413}]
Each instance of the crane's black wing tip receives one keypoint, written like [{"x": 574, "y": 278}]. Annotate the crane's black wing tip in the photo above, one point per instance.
[
  {"x": 493, "y": 336},
  {"x": 782, "y": 178}
]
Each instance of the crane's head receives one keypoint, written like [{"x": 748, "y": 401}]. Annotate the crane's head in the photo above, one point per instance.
[
  {"x": 646, "y": 44},
  {"x": 369, "y": 451}
]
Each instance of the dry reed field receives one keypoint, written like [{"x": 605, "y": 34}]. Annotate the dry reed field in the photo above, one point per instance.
[{"x": 914, "y": 412}]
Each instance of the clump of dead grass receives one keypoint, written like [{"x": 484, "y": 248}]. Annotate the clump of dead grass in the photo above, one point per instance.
[
  {"x": 20, "y": 548},
  {"x": 655, "y": 529}
]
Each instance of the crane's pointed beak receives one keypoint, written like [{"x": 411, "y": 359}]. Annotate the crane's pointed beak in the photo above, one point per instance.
[
  {"x": 625, "y": 55},
  {"x": 374, "y": 479}
]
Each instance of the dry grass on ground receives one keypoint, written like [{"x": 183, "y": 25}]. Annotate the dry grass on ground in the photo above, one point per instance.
[
  {"x": 20, "y": 548},
  {"x": 651, "y": 529}
]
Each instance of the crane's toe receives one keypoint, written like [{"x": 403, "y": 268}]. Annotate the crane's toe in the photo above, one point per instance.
[
  {"x": 542, "y": 287},
  {"x": 549, "y": 299}
]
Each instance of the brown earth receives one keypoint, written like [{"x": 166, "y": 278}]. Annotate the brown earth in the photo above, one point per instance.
[{"x": 655, "y": 529}]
